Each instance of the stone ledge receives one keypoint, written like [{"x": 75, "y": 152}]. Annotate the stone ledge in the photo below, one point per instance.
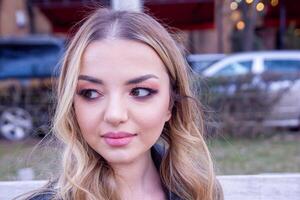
[{"x": 246, "y": 187}]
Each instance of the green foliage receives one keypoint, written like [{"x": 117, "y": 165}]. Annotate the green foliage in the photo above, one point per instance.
[{"x": 280, "y": 153}]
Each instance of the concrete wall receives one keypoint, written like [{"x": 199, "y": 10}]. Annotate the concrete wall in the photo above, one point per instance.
[{"x": 248, "y": 187}]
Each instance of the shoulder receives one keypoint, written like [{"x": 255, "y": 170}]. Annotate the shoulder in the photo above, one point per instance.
[
  {"x": 47, "y": 192},
  {"x": 41, "y": 196},
  {"x": 45, "y": 195}
]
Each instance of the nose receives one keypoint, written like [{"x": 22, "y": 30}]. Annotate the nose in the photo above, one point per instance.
[{"x": 115, "y": 111}]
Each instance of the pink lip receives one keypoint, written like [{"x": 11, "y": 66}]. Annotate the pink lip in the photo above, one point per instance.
[{"x": 118, "y": 139}]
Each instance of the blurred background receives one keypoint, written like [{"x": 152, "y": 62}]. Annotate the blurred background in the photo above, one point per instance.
[{"x": 244, "y": 56}]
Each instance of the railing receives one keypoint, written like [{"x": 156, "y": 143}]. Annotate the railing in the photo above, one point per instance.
[{"x": 241, "y": 187}]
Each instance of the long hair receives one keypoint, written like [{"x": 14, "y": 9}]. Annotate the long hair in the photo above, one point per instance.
[{"x": 186, "y": 167}]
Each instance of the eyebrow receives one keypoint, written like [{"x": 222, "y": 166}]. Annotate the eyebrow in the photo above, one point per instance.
[
  {"x": 90, "y": 79},
  {"x": 129, "y": 82}
]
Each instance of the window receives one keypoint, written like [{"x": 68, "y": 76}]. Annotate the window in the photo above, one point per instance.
[
  {"x": 199, "y": 66},
  {"x": 236, "y": 68},
  {"x": 284, "y": 65}
]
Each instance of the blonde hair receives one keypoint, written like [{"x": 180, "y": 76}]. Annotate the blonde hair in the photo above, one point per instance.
[{"x": 186, "y": 167}]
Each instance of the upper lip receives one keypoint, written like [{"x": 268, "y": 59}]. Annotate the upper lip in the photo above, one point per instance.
[{"x": 116, "y": 135}]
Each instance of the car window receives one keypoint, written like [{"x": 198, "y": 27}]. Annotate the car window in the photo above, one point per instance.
[
  {"x": 199, "y": 66},
  {"x": 28, "y": 60},
  {"x": 235, "y": 68},
  {"x": 286, "y": 65}
]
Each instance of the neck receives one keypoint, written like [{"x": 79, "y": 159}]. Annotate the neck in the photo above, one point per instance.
[{"x": 138, "y": 178}]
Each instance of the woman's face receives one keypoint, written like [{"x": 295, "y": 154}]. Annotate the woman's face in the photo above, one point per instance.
[{"x": 122, "y": 99}]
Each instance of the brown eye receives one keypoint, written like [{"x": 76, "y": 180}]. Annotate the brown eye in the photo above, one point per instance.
[
  {"x": 89, "y": 94},
  {"x": 142, "y": 92}
]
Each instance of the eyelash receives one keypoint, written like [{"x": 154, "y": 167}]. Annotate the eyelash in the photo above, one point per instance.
[
  {"x": 86, "y": 93},
  {"x": 149, "y": 90}
]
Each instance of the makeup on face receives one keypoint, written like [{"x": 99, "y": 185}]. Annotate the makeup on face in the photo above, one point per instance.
[
  {"x": 122, "y": 99},
  {"x": 118, "y": 139},
  {"x": 141, "y": 87}
]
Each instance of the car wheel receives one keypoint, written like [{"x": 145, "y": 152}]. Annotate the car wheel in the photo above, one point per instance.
[{"x": 15, "y": 124}]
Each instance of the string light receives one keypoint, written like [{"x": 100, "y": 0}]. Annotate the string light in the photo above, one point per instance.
[
  {"x": 260, "y": 6},
  {"x": 233, "y": 5},
  {"x": 240, "y": 25},
  {"x": 274, "y": 2}
]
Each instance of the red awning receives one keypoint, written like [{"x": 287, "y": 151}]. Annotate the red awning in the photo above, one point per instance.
[
  {"x": 182, "y": 14},
  {"x": 188, "y": 14}
]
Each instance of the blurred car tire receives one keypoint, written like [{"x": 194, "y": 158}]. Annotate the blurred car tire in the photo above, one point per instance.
[{"x": 15, "y": 124}]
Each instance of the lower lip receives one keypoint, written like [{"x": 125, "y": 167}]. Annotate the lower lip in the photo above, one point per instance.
[{"x": 118, "y": 142}]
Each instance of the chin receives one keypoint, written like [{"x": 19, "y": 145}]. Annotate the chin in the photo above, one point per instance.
[
  {"x": 119, "y": 157},
  {"x": 119, "y": 161}
]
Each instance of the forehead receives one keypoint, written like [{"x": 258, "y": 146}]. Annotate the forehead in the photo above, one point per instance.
[{"x": 125, "y": 57}]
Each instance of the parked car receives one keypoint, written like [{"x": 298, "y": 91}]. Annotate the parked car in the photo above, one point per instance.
[
  {"x": 199, "y": 62},
  {"x": 26, "y": 67},
  {"x": 255, "y": 63},
  {"x": 271, "y": 72}
]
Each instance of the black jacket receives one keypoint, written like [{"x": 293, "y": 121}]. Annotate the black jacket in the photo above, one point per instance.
[{"x": 157, "y": 152}]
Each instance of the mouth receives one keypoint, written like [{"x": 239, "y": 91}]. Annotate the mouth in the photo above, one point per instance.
[
  {"x": 117, "y": 135},
  {"x": 118, "y": 139}
]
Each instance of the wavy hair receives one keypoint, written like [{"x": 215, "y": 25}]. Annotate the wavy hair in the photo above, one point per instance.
[{"x": 186, "y": 167}]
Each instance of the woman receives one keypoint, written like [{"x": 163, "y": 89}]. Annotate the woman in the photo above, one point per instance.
[{"x": 123, "y": 85}]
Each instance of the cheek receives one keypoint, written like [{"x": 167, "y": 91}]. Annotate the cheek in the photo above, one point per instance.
[
  {"x": 86, "y": 116},
  {"x": 153, "y": 117}
]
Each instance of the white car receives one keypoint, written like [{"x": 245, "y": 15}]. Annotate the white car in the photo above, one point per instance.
[
  {"x": 255, "y": 63},
  {"x": 286, "y": 111},
  {"x": 199, "y": 62}
]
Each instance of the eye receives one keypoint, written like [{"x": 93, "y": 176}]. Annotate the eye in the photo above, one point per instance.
[
  {"x": 142, "y": 92},
  {"x": 89, "y": 93}
]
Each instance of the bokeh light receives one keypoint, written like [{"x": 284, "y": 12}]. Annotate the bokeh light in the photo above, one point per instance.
[
  {"x": 240, "y": 25},
  {"x": 260, "y": 6},
  {"x": 233, "y": 5},
  {"x": 274, "y": 2}
]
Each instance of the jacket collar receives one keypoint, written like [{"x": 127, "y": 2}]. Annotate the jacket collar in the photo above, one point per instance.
[{"x": 157, "y": 153}]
